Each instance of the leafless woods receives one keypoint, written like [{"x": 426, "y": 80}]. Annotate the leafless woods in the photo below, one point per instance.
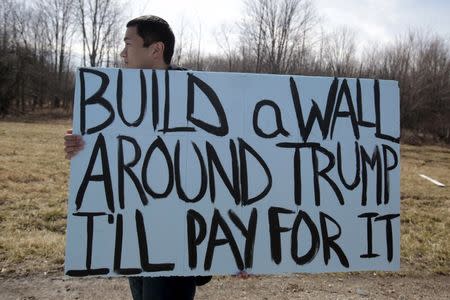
[{"x": 41, "y": 43}]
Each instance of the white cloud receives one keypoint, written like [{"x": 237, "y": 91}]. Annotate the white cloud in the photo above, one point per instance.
[{"x": 381, "y": 21}]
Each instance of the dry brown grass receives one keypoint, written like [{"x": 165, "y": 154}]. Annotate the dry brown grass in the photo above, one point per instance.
[
  {"x": 33, "y": 196},
  {"x": 425, "y": 209}
]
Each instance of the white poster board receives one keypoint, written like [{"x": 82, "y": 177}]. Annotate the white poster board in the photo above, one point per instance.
[{"x": 200, "y": 173}]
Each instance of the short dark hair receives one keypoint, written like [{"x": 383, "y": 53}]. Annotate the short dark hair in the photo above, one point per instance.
[{"x": 155, "y": 29}]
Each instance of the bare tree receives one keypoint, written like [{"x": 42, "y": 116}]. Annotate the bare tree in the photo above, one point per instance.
[
  {"x": 180, "y": 42},
  {"x": 7, "y": 76},
  {"x": 253, "y": 31},
  {"x": 114, "y": 47},
  {"x": 58, "y": 17},
  {"x": 198, "y": 57},
  {"x": 224, "y": 40},
  {"x": 340, "y": 50},
  {"x": 430, "y": 82},
  {"x": 191, "y": 47},
  {"x": 98, "y": 20},
  {"x": 31, "y": 76},
  {"x": 273, "y": 30},
  {"x": 420, "y": 62}
]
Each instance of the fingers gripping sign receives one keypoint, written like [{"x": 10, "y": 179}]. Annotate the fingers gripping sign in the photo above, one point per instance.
[{"x": 72, "y": 144}]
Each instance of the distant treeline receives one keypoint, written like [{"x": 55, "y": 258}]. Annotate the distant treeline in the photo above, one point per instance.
[
  {"x": 273, "y": 36},
  {"x": 36, "y": 49}
]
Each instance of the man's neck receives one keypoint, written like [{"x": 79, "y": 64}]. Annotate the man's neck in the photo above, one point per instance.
[{"x": 159, "y": 66}]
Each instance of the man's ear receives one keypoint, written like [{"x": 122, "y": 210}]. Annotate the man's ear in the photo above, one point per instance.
[{"x": 158, "y": 49}]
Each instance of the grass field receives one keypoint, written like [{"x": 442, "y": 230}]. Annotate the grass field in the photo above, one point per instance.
[{"x": 33, "y": 197}]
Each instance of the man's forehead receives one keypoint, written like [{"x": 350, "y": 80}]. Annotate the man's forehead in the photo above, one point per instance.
[{"x": 130, "y": 33}]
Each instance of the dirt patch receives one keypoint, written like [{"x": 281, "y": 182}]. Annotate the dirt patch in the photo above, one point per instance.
[{"x": 298, "y": 286}]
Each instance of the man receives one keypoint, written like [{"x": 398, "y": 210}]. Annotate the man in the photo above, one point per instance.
[{"x": 149, "y": 44}]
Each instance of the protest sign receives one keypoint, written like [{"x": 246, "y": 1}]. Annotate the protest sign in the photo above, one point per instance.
[{"x": 197, "y": 173}]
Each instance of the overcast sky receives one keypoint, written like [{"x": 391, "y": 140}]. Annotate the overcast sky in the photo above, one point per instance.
[{"x": 373, "y": 21}]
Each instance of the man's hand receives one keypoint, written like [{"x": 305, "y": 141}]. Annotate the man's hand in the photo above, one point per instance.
[{"x": 72, "y": 144}]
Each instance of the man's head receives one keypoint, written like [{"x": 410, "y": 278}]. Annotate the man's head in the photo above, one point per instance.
[{"x": 149, "y": 43}]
